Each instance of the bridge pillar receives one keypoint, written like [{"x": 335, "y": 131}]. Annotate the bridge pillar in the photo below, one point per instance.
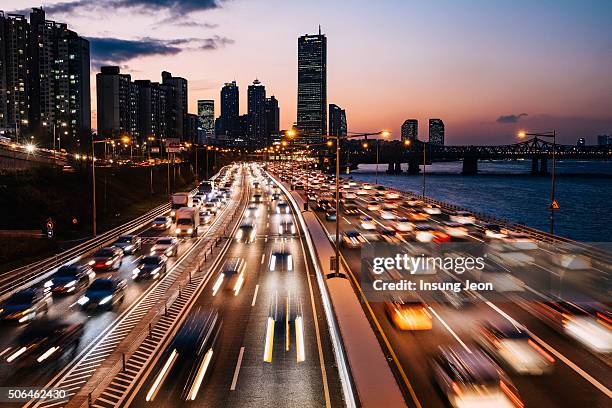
[
  {"x": 470, "y": 166},
  {"x": 414, "y": 166},
  {"x": 543, "y": 166},
  {"x": 534, "y": 167}
]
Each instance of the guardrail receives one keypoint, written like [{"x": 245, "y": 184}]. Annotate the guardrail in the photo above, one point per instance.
[{"x": 35, "y": 272}]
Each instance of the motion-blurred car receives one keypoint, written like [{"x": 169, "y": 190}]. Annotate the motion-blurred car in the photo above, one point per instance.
[
  {"x": 210, "y": 208},
  {"x": 387, "y": 215},
  {"x": 43, "y": 341},
  {"x": 373, "y": 205},
  {"x": 162, "y": 223},
  {"x": 233, "y": 275},
  {"x": 349, "y": 209},
  {"x": 330, "y": 215},
  {"x": 493, "y": 231},
  {"x": 514, "y": 348},
  {"x": 463, "y": 217},
  {"x": 353, "y": 239},
  {"x": 103, "y": 294},
  {"x": 252, "y": 211},
  {"x": 25, "y": 305},
  {"x": 469, "y": 378},
  {"x": 150, "y": 267},
  {"x": 455, "y": 229},
  {"x": 426, "y": 233},
  {"x": 403, "y": 224},
  {"x": 185, "y": 362},
  {"x": 366, "y": 223},
  {"x": 282, "y": 207},
  {"x": 388, "y": 235},
  {"x": 286, "y": 227},
  {"x": 247, "y": 232},
  {"x": 165, "y": 246},
  {"x": 128, "y": 243},
  {"x": 107, "y": 259},
  {"x": 70, "y": 279},
  {"x": 281, "y": 261},
  {"x": 410, "y": 315},
  {"x": 432, "y": 209},
  {"x": 205, "y": 218}
]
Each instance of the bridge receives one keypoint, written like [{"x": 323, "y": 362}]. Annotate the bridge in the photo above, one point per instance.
[
  {"x": 394, "y": 153},
  {"x": 15, "y": 156}
]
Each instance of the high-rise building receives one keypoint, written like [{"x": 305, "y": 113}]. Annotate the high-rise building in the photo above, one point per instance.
[
  {"x": 117, "y": 103},
  {"x": 604, "y": 140},
  {"x": 191, "y": 127},
  {"x": 337, "y": 121},
  {"x": 272, "y": 120},
  {"x": 410, "y": 130},
  {"x": 256, "y": 111},
  {"x": 229, "y": 122},
  {"x": 206, "y": 120},
  {"x": 436, "y": 132},
  {"x": 312, "y": 87},
  {"x": 176, "y": 100},
  {"x": 44, "y": 79}
]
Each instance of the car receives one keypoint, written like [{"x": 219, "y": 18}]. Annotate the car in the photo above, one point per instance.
[
  {"x": 388, "y": 235},
  {"x": 373, "y": 205},
  {"x": 162, "y": 223},
  {"x": 330, "y": 215},
  {"x": 43, "y": 341},
  {"x": 425, "y": 232},
  {"x": 103, "y": 294},
  {"x": 128, "y": 243},
  {"x": 247, "y": 232},
  {"x": 196, "y": 201},
  {"x": 455, "y": 229},
  {"x": 469, "y": 378},
  {"x": 282, "y": 207},
  {"x": 252, "y": 211},
  {"x": 107, "y": 259},
  {"x": 275, "y": 196},
  {"x": 389, "y": 205},
  {"x": 185, "y": 363},
  {"x": 209, "y": 207},
  {"x": 233, "y": 275},
  {"x": 432, "y": 209},
  {"x": 412, "y": 202},
  {"x": 514, "y": 348},
  {"x": 150, "y": 267},
  {"x": 417, "y": 216},
  {"x": 70, "y": 279},
  {"x": 493, "y": 231},
  {"x": 463, "y": 217},
  {"x": 387, "y": 215},
  {"x": 167, "y": 246},
  {"x": 353, "y": 239},
  {"x": 349, "y": 209},
  {"x": 205, "y": 218},
  {"x": 257, "y": 198},
  {"x": 409, "y": 315},
  {"x": 366, "y": 223},
  {"x": 286, "y": 227},
  {"x": 403, "y": 224},
  {"x": 281, "y": 260},
  {"x": 25, "y": 305}
]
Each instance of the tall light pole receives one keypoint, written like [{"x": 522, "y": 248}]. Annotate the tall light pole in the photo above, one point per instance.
[
  {"x": 425, "y": 145},
  {"x": 553, "y": 205},
  {"x": 93, "y": 181}
]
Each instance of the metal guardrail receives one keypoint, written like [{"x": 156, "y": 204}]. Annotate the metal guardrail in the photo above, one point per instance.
[{"x": 35, "y": 272}]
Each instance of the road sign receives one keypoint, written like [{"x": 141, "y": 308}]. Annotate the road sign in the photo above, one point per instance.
[
  {"x": 173, "y": 145},
  {"x": 554, "y": 205},
  {"x": 155, "y": 150},
  {"x": 50, "y": 226}
]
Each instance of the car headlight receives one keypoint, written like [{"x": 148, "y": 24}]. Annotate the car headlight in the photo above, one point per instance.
[
  {"x": 129, "y": 247},
  {"x": 108, "y": 262},
  {"x": 190, "y": 230},
  {"x": 135, "y": 271},
  {"x": 178, "y": 230},
  {"x": 239, "y": 234},
  {"x": 172, "y": 213},
  {"x": 91, "y": 262},
  {"x": 83, "y": 300},
  {"x": 106, "y": 299},
  {"x": 70, "y": 284},
  {"x": 48, "y": 283}
]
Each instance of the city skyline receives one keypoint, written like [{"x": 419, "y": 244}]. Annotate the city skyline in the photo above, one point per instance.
[{"x": 518, "y": 75}]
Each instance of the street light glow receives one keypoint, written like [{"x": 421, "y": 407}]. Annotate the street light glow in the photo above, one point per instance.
[{"x": 522, "y": 134}]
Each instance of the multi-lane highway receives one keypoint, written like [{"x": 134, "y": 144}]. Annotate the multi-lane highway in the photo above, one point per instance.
[{"x": 580, "y": 377}]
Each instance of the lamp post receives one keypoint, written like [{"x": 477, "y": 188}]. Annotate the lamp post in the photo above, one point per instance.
[
  {"x": 93, "y": 180},
  {"x": 553, "y": 206},
  {"x": 425, "y": 144}
]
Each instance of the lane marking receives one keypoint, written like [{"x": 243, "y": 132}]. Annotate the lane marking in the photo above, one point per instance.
[
  {"x": 556, "y": 353},
  {"x": 255, "y": 295},
  {"x": 263, "y": 258},
  {"x": 450, "y": 330},
  {"x": 237, "y": 370}
]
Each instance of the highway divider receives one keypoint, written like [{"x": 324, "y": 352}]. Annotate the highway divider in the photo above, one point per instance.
[{"x": 362, "y": 365}]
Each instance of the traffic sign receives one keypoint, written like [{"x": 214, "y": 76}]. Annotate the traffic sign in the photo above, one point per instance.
[
  {"x": 173, "y": 145},
  {"x": 50, "y": 226},
  {"x": 554, "y": 205}
]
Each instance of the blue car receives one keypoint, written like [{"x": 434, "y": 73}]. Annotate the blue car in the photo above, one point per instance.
[{"x": 103, "y": 293}]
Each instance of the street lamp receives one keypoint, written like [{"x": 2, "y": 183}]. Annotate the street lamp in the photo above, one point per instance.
[
  {"x": 93, "y": 180},
  {"x": 553, "y": 206}
]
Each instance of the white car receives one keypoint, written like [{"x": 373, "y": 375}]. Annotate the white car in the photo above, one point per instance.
[
  {"x": 463, "y": 217},
  {"x": 455, "y": 229},
  {"x": 373, "y": 206},
  {"x": 403, "y": 225},
  {"x": 387, "y": 215},
  {"x": 367, "y": 223},
  {"x": 432, "y": 209},
  {"x": 167, "y": 246}
]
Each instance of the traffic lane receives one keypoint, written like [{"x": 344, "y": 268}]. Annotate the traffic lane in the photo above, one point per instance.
[{"x": 66, "y": 307}]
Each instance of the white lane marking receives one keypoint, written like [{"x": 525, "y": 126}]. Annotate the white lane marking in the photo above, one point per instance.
[
  {"x": 450, "y": 330},
  {"x": 557, "y": 354},
  {"x": 255, "y": 295},
  {"x": 473, "y": 237},
  {"x": 347, "y": 220},
  {"x": 263, "y": 258},
  {"x": 237, "y": 370}
]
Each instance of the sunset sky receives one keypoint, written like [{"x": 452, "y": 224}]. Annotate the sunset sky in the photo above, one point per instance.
[{"x": 487, "y": 68}]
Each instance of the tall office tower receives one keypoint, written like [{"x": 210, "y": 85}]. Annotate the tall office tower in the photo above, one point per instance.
[
  {"x": 272, "y": 120},
  {"x": 436, "y": 132},
  {"x": 176, "y": 99},
  {"x": 337, "y": 121},
  {"x": 604, "y": 140},
  {"x": 206, "y": 120},
  {"x": 410, "y": 130},
  {"x": 312, "y": 87},
  {"x": 117, "y": 102},
  {"x": 15, "y": 64},
  {"x": 191, "y": 127},
  {"x": 229, "y": 119},
  {"x": 256, "y": 111},
  {"x": 79, "y": 93}
]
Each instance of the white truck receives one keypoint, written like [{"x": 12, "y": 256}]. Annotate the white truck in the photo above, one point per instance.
[
  {"x": 179, "y": 200},
  {"x": 187, "y": 221}
]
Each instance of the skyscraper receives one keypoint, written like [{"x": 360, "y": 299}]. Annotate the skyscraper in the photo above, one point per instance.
[
  {"x": 176, "y": 101},
  {"x": 312, "y": 87},
  {"x": 256, "y": 120},
  {"x": 272, "y": 120},
  {"x": 436, "y": 132},
  {"x": 229, "y": 119},
  {"x": 206, "y": 120},
  {"x": 116, "y": 103},
  {"x": 410, "y": 130},
  {"x": 337, "y": 121}
]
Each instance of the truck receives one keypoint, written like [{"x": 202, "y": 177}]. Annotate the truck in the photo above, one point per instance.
[
  {"x": 206, "y": 186},
  {"x": 187, "y": 221},
  {"x": 179, "y": 200}
]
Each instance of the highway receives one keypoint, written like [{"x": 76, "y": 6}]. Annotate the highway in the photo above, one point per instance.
[
  {"x": 300, "y": 370},
  {"x": 580, "y": 377}
]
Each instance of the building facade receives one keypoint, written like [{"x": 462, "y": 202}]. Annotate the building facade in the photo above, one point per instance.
[
  {"x": 256, "y": 111},
  {"x": 272, "y": 113},
  {"x": 337, "y": 121},
  {"x": 206, "y": 120},
  {"x": 312, "y": 87},
  {"x": 229, "y": 120},
  {"x": 436, "y": 132},
  {"x": 410, "y": 130}
]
